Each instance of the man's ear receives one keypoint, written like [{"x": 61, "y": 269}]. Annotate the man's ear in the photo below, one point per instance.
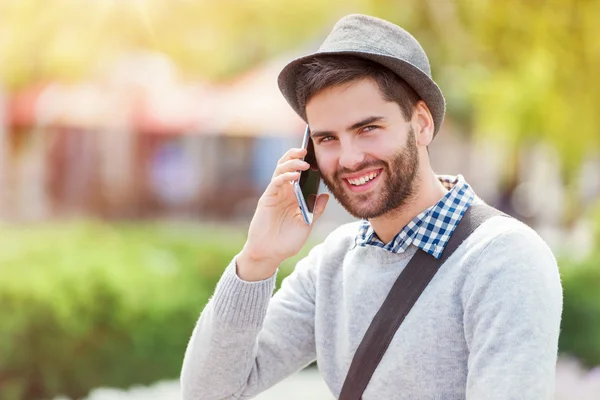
[{"x": 423, "y": 123}]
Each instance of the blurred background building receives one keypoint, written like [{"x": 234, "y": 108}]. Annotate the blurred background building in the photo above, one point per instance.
[{"x": 140, "y": 109}]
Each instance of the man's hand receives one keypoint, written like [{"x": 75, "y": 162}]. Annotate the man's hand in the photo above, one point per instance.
[{"x": 277, "y": 230}]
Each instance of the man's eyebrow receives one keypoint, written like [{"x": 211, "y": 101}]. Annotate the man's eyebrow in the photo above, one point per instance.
[
  {"x": 353, "y": 127},
  {"x": 366, "y": 121}
]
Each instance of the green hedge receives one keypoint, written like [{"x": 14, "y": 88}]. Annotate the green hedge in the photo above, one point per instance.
[
  {"x": 580, "y": 330},
  {"x": 84, "y": 305}
]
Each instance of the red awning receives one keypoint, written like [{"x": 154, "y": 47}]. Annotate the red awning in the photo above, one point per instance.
[{"x": 21, "y": 106}]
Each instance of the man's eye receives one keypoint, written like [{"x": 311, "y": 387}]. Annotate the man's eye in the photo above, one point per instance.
[
  {"x": 369, "y": 128},
  {"x": 326, "y": 139}
]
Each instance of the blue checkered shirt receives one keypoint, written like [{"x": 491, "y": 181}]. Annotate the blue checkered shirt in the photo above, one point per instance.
[{"x": 432, "y": 228}]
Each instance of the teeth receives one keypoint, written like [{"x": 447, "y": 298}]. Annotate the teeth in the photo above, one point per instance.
[{"x": 362, "y": 180}]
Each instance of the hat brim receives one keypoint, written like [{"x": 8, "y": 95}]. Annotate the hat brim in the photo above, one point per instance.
[{"x": 425, "y": 87}]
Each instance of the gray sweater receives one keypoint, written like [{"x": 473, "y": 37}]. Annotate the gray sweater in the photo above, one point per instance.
[{"x": 486, "y": 327}]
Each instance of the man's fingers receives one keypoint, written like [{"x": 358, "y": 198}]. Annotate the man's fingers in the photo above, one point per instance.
[
  {"x": 283, "y": 179},
  {"x": 292, "y": 154},
  {"x": 291, "y": 166}
]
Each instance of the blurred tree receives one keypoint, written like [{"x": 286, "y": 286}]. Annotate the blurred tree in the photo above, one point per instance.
[
  {"x": 537, "y": 65},
  {"x": 534, "y": 77}
]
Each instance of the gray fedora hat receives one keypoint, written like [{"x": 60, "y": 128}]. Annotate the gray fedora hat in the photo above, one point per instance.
[{"x": 379, "y": 41}]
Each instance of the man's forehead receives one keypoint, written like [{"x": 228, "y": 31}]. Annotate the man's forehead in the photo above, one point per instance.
[
  {"x": 352, "y": 87},
  {"x": 362, "y": 96}
]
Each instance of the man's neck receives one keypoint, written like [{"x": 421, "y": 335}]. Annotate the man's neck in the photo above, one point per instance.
[{"x": 429, "y": 191}]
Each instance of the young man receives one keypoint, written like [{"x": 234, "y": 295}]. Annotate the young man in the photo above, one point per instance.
[{"x": 486, "y": 326}]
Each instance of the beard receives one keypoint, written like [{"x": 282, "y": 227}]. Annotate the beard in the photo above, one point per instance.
[{"x": 400, "y": 174}]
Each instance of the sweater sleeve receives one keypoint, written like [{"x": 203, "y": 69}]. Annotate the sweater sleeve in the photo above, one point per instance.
[
  {"x": 245, "y": 341},
  {"x": 512, "y": 303}
]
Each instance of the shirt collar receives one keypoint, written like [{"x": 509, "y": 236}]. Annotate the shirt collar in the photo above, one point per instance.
[{"x": 432, "y": 228}]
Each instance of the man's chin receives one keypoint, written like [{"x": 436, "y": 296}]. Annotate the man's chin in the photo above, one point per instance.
[
  {"x": 357, "y": 207},
  {"x": 364, "y": 211}
]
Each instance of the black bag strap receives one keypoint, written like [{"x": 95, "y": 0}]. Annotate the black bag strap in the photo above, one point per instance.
[{"x": 398, "y": 303}]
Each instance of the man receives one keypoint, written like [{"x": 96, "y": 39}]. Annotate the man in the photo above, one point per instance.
[{"x": 486, "y": 326}]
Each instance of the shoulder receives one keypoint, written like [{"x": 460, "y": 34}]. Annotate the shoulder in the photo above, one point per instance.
[
  {"x": 507, "y": 235},
  {"x": 512, "y": 238},
  {"x": 505, "y": 252},
  {"x": 514, "y": 278}
]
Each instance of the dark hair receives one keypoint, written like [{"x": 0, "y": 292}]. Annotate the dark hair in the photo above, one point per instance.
[{"x": 327, "y": 71}]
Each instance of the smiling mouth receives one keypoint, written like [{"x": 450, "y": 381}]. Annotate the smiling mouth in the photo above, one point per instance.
[{"x": 363, "y": 180}]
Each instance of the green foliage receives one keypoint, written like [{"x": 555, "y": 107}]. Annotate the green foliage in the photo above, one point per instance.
[
  {"x": 87, "y": 304},
  {"x": 580, "y": 333},
  {"x": 540, "y": 63}
]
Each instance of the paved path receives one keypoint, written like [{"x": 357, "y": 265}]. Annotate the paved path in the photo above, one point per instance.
[
  {"x": 305, "y": 385},
  {"x": 572, "y": 382}
]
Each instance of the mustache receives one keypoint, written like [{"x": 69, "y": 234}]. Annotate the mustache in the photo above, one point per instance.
[{"x": 360, "y": 167}]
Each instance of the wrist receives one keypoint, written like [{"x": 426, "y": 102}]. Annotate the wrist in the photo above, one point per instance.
[{"x": 253, "y": 269}]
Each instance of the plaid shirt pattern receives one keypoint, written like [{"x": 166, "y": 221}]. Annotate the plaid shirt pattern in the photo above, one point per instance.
[{"x": 432, "y": 228}]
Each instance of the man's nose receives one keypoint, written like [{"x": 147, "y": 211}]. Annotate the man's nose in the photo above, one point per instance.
[{"x": 350, "y": 156}]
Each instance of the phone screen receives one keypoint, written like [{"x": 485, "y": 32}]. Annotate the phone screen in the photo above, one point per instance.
[{"x": 310, "y": 180}]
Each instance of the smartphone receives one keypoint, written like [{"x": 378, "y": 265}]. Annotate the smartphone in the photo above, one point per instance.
[{"x": 307, "y": 186}]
